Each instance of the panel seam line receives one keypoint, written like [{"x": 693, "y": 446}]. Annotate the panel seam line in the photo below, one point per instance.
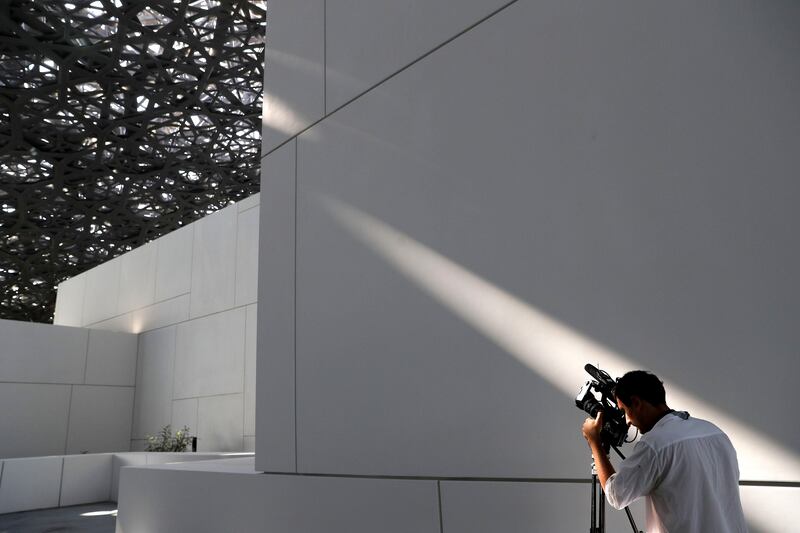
[{"x": 390, "y": 76}]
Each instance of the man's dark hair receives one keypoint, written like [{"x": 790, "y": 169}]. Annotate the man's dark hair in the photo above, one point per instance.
[{"x": 642, "y": 384}]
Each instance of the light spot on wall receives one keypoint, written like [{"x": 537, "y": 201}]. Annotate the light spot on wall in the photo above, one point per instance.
[{"x": 551, "y": 349}]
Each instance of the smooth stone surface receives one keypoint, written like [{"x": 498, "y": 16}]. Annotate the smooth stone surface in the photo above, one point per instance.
[
  {"x": 37, "y": 423},
  {"x": 153, "y": 403},
  {"x": 86, "y": 479},
  {"x": 166, "y": 499},
  {"x": 100, "y": 419},
  {"x": 41, "y": 353},
  {"x": 161, "y": 314},
  {"x": 250, "y": 370},
  {"x": 220, "y": 422},
  {"x": 471, "y": 507},
  {"x": 30, "y": 483},
  {"x": 209, "y": 355},
  {"x": 214, "y": 263},
  {"x": 294, "y": 70},
  {"x": 275, "y": 377},
  {"x": 770, "y": 509},
  {"x": 174, "y": 265},
  {"x": 111, "y": 358},
  {"x": 102, "y": 292},
  {"x": 120, "y": 461},
  {"x": 249, "y": 202},
  {"x": 137, "y": 284},
  {"x": 574, "y": 190},
  {"x": 368, "y": 41},
  {"x": 184, "y": 413},
  {"x": 122, "y": 323},
  {"x": 69, "y": 301},
  {"x": 247, "y": 257}
]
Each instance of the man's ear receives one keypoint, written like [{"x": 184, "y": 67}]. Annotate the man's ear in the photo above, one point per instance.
[{"x": 636, "y": 403}]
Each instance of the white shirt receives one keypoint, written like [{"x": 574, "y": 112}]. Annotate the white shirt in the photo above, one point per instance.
[{"x": 687, "y": 470}]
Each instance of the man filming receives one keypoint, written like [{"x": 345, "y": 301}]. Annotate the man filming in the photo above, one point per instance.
[{"x": 685, "y": 467}]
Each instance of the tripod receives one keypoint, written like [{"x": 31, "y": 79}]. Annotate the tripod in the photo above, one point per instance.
[{"x": 598, "y": 521}]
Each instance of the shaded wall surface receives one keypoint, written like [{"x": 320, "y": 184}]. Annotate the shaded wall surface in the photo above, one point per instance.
[
  {"x": 191, "y": 298},
  {"x": 64, "y": 390},
  {"x": 461, "y": 210}
]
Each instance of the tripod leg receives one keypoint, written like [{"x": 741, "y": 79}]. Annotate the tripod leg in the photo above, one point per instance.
[
  {"x": 631, "y": 520},
  {"x": 602, "y": 527},
  {"x": 593, "y": 523}
]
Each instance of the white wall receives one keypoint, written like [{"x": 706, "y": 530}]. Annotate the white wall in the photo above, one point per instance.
[
  {"x": 190, "y": 296},
  {"x": 64, "y": 389},
  {"x": 560, "y": 183}
]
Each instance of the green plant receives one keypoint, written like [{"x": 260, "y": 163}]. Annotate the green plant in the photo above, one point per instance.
[{"x": 166, "y": 442}]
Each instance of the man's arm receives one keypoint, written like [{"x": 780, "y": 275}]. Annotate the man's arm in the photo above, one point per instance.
[{"x": 591, "y": 432}]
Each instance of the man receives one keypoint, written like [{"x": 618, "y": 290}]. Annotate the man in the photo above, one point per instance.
[{"x": 685, "y": 467}]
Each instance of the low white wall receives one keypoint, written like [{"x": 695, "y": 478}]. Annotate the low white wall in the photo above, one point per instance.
[
  {"x": 191, "y": 297},
  {"x": 64, "y": 389},
  {"x": 229, "y": 495},
  {"x": 60, "y": 481}
]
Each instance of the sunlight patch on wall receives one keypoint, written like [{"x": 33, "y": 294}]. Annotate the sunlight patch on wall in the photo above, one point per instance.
[
  {"x": 280, "y": 116},
  {"x": 551, "y": 349}
]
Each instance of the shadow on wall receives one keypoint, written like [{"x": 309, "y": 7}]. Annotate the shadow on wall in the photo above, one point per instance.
[{"x": 551, "y": 349}]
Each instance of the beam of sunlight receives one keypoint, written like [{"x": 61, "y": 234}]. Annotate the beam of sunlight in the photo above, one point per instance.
[
  {"x": 280, "y": 116},
  {"x": 548, "y": 347},
  {"x": 313, "y": 69},
  {"x": 100, "y": 513}
]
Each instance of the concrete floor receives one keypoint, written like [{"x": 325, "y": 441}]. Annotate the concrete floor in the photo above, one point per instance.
[{"x": 62, "y": 520}]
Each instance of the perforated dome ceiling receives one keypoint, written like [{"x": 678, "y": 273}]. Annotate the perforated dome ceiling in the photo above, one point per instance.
[{"x": 119, "y": 122}]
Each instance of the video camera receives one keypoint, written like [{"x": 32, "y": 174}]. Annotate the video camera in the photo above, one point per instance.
[{"x": 615, "y": 428}]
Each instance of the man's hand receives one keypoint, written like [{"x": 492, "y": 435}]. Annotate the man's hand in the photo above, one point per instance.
[
  {"x": 592, "y": 427},
  {"x": 591, "y": 432}
]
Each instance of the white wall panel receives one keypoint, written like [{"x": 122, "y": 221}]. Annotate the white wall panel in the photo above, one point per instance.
[
  {"x": 366, "y": 41},
  {"x": 162, "y": 314},
  {"x": 30, "y": 484},
  {"x": 209, "y": 357},
  {"x": 102, "y": 292},
  {"x": 220, "y": 423},
  {"x": 469, "y": 507},
  {"x": 137, "y": 283},
  {"x": 162, "y": 499},
  {"x": 120, "y": 461},
  {"x": 111, "y": 358},
  {"x": 100, "y": 419},
  {"x": 69, "y": 301},
  {"x": 544, "y": 183},
  {"x": 174, "y": 265},
  {"x": 214, "y": 262},
  {"x": 41, "y": 353},
  {"x": 247, "y": 257},
  {"x": 250, "y": 370},
  {"x": 184, "y": 413},
  {"x": 249, "y": 444},
  {"x": 249, "y": 202},
  {"x": 33, "y": 419},
  {"x": 174, "y": 460},
  {"x": 122, "y": 323},
  {"x": 294, "y": 72},
  {"x": 86, "y": 479},
  {"x": 276, "y": 278},
  {"x": 769, "y": 509},
  {"x": 154, "y": 377}
]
